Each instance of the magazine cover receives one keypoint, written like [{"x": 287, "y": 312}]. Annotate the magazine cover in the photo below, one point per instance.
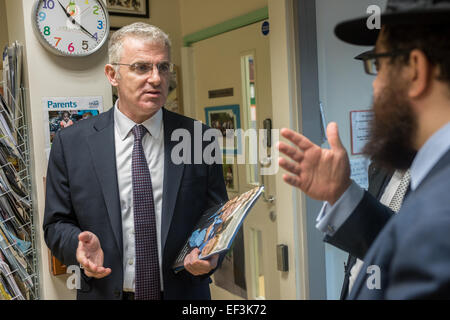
[{"x": 216, "y": 229}]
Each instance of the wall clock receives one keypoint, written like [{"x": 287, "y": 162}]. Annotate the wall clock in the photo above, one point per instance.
[{"x": 72, "y": 28}]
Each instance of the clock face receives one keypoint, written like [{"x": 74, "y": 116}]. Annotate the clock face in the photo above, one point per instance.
[{"x": 71, "y": 27}]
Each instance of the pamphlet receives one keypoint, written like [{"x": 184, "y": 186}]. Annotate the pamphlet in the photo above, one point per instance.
[{"x": 216, "y": 229}]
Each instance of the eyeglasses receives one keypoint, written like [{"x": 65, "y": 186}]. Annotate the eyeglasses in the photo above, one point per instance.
[
  {"x": 370, "y": 60},
  {"x": 142, "y": 68}
]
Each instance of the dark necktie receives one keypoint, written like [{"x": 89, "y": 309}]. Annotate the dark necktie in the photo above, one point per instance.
[{"x": 147, "y": 267}]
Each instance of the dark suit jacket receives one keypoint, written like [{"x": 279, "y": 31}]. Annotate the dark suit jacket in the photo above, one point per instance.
[
  {"x": 358, "y": 232},
  {"x": 413, "y": 250},
  {"x": 378, "y": 180},
  {"x": 82, "y": 195}
]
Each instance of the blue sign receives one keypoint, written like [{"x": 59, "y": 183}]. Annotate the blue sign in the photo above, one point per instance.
[{"x": 265, "y": 28}]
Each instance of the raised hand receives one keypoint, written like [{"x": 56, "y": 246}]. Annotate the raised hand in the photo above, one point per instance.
[
  {"x": 90, "y": 255},
  {"x": 323, "y": 174}
]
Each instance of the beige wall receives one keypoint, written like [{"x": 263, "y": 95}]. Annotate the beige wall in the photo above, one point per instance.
[
  {"x": 200, "y": 14},
  {"x": 164, "y": 14},
  {"x": 3, "y": 25},
  {"x": 3, "y": 31}
]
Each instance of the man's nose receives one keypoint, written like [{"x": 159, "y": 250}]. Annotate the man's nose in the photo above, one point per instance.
[{"x": 154, "y": 76}]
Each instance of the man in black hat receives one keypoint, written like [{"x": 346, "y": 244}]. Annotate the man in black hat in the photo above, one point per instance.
[
  {"x": 410, "y": 256},
  {"x": 385, "y": 185}
]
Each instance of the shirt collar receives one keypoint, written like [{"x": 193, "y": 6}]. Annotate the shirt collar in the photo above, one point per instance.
[
  {"x": 125, "y": 124},
  {"x": 428, "y": 156}
]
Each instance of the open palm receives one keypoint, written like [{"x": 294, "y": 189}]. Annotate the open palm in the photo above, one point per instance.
[
  {"x": 90, "y": 255},
  {"x": 322, "y": 174}
]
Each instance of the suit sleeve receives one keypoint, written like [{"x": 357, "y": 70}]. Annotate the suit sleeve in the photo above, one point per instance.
[
  {"x": 217, "y": 193},
  {"x": 358, "y": 232},
  {"x": 421, "y": 263},
  {"x": 60, "y": 224}
]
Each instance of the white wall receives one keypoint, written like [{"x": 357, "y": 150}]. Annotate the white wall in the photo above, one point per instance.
[{"x": 343, "y": 87}]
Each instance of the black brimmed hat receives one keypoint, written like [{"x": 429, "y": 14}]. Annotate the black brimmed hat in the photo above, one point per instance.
[{"x": 398, "y": 12}]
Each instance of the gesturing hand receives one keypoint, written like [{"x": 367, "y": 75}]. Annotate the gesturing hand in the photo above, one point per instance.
[
  {"x": 90, "y": 255},
  {"x": 323, "y": 174},
  {"x": 198, "y": 267}
]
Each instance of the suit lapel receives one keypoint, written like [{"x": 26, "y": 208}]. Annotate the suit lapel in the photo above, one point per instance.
[
  {"x": 102, "y": 147},
  {"x": 172, "y": 175},
  {"x": 378, "y": 180}
]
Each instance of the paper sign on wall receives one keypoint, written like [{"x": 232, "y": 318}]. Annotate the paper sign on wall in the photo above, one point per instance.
[
  {"x": 359, "y": 171},
  {"x": 360, "y": 122},
  {"x": 62, "y": 112}
]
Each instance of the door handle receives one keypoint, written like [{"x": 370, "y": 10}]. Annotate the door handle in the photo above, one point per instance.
[{"x": 265, "y": 162}]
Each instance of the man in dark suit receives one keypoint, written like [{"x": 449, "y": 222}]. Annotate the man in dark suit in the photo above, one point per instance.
[
  {"x": 118, "y": 202},
  {"x": 406, "y": 256},
  {"x": 384, "y": 186}
]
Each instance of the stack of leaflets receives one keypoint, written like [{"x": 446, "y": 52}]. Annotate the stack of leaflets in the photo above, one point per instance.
[
  {"x": 16, "y": 250},
  {"x": 217, "y": 227}
]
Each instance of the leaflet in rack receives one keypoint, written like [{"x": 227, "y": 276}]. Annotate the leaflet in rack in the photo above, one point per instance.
[{"x": 217, "y": 227}]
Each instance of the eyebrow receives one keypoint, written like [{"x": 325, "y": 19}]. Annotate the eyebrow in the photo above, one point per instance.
[{"x": 140, "y": 61}]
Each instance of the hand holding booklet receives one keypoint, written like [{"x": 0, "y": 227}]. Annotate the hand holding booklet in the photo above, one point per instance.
[{"x": 217, "y": 227}]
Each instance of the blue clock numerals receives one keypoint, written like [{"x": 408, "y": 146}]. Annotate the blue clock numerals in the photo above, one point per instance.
[{"x": 49, "y": 4}]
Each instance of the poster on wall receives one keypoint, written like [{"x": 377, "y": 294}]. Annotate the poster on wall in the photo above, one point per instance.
[
  {"x": 174, "y": 101},
  {"x": 230, "y": 173},
  {"x": 63, "y": 112},
  {"x": 360, "y": 121},
  {"x": 359, "y": 171},
  {"x": 227, "y": 120}
]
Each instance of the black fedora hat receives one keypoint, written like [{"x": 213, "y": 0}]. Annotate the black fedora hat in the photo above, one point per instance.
[{"x": 405, "y": 12}]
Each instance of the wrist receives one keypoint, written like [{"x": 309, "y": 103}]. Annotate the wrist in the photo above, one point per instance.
[{"x": 340, "y": 191}]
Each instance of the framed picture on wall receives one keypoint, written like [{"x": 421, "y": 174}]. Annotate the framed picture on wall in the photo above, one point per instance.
[
  {"x": 129, "y": 8},
  {"x": 227, "y": 120},
  {"x": 230, "y": 175},
  {"x": 174, "y": 100}
]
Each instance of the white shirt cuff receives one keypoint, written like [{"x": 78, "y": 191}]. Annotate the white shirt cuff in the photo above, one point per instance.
[{"x": 331, "y": 217}]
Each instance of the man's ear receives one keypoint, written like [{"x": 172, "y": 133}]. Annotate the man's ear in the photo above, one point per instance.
[
  {"x": 420, "y": 73},
  {"x": 111, "y": 74}
]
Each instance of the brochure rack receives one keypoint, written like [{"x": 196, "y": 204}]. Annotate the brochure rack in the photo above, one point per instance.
[{"x": 18, "y": 255}]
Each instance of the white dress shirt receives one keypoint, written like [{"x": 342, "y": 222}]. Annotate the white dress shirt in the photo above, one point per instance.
[{"x": 153, "y": 145}]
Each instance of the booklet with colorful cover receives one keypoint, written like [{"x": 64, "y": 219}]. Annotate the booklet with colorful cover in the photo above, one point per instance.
[{"x": 217, "y": 227}]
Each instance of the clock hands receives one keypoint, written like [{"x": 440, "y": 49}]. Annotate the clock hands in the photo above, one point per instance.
[
  {"x": 82, "y": 28},
  {"x": 75, "y": 21}
]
